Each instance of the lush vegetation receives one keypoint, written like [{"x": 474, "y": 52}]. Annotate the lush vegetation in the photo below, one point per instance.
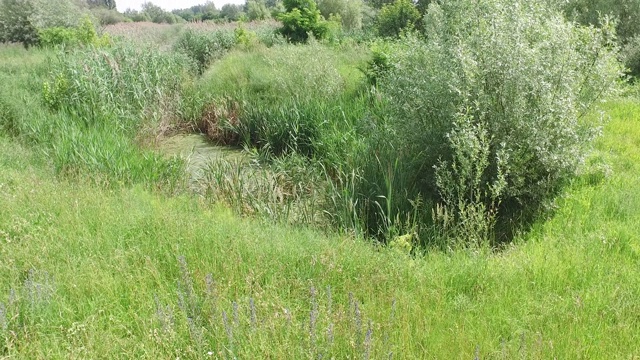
[{"x": 455, "y": 179}]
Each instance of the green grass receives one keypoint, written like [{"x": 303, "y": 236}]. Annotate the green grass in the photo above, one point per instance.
[
  {"x": 98, "y": 258},
  {"x": 94, "y": 271}
]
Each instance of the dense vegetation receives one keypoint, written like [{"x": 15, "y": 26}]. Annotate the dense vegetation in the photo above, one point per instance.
[{"x": 450, "y": 151}]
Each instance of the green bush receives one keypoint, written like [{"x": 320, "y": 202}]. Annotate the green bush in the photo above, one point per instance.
[
  {"x": 624, "y": 13},
  {"x": 257, "y": 10},
  {"x": 395, "y": 18},
  {"x": 84, "y": 34},
  {"x": 349, "y": 11},
  {"x": 15, "y": 23},
  {"x": 301, "y": 19},
  {"x": 630, "y": 56},
  {"x": 484, "y": 116}
]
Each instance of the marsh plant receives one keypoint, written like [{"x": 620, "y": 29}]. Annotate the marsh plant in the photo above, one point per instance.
[
  {"x": 26, "y": 306},
  {"x": 204, "y": 324}
]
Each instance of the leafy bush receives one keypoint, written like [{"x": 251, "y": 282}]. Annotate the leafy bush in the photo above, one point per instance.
[
  {"x": 484, "y": 115},
  {"x": 15, "y": 22},
  {"x": 301, "y": 19},
  {"x": 107, "y": 16},
  {"x": 630, "y": 56},
  {"x": 349, "y": 11},
  {"x": 84, "y": 34},
  {"x": 397, "y": 17},
  {"x": 624, "y": 13},
  {"x": 257, "y": 10}
]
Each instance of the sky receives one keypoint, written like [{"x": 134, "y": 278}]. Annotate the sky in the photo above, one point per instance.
[{"x": 171, "y": 4}]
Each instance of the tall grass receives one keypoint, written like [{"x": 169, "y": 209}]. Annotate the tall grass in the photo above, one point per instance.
[
  {"x": 86, "y": 108},
  {"x": 124, "y": 273}
]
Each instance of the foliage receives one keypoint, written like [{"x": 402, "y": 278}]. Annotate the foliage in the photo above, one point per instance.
[
  {"x": 232, "y": 12},
  {"x": 108, "y": 4},
  {"x": 257, "y": 10},
  {"x": 624, "y": 15},
  {"x": 349, "y": 12},
  {"x": 83, "y": 34},
  {"x": 205, "y": 11},
  {"x": 301, "y": 19},
  {"x": 62, "y": 13},
  {"x": 245, "y": 38},
  {"x": 380, "y": 62},
  {"x": 395, "y": 18},
  {"x": 153, "y": 13},
  {"x": 487, "y": 112},
  {"x": 630, "y": 56},
  {"x": 15, "y": 23},
  {"x": 107, "y": 16}
]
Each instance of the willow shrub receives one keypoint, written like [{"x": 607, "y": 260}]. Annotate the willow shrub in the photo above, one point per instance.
[{"x": 484, "y": 115}]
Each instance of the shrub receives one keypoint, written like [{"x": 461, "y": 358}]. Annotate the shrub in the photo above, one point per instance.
[
  {"x": 107, "y": 16},
  {"x": 301, "y": 19},
  {"x": 349, "y": 11},
  {"x": 84, "y": 34},
  {"x": 484, "y": 115},
  {"x": 15, "y": 22},
  {"x": 395, "y": 18},
  {"x": 257, "y": 10},
  {"x": 630, "y": 56},
  {"x": 624, "y": 13}
]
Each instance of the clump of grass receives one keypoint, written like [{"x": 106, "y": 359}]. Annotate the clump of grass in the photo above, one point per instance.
[{"x": 287, "y": 190}]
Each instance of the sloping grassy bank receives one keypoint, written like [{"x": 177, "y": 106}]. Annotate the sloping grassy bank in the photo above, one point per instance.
[{"x": 88, "y": 272}]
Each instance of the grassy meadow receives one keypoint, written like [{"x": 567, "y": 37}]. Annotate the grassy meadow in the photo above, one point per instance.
[{"x": 107, "y": 252}]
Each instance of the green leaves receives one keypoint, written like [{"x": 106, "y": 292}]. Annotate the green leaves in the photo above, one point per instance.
[{"x": 301, "y": 19}]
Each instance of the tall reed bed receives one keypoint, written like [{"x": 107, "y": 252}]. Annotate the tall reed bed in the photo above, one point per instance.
[{"x": 89, "y": 108}]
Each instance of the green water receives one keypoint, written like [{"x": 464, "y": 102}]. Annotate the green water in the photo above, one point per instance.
[{"x": 198, "y": 152}]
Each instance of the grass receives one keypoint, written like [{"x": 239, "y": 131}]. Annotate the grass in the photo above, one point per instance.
[
  {"x": 97, "y": 273},
  {"x": 94, "y": 271}
]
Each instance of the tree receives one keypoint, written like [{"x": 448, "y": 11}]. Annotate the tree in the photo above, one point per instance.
[
  {"x": 109, "y": 4},
  {"x": 349, "y": 11},
  {"x": 302, "y": 17},
  {"x": 156, "y": 14},
  {"x": 15, "y": 25},
  {"x": 232, "y": 12},
  {"x": 396, "y": 17},
  {"x": 257, "y": 10}
]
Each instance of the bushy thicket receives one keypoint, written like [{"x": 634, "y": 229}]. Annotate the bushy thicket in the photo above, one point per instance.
[
  {"x": 349, "y": 12},
  {"x": 83, "y": 34},
  {"x": 23, "y": 21},
  {"x": 624, "y": 13},
  {"x": 393, "y": 19},
  {"x": 483, "y": 117},
  {"x": 302, "y": 18},
  {"x": 15, "y": 23}
]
